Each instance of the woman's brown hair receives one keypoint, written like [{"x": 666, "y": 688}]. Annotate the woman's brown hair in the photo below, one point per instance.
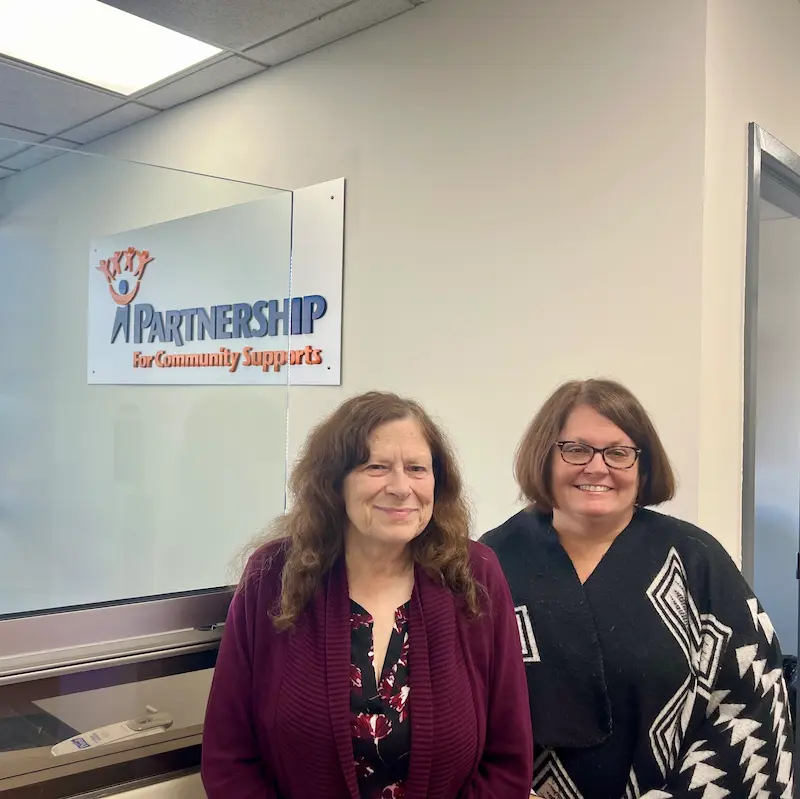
[
  {"x": 532, "y": 464},
  {"x": 313, "y": 528}
]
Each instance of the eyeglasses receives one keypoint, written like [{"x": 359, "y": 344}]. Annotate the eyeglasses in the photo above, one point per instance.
[{"x": 617, "y": 457}]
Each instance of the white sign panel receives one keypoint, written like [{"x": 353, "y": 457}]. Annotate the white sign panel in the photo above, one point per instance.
[{"x": 250, "y": 294}]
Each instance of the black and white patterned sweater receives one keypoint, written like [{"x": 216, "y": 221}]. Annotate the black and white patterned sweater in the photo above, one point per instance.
[{"x": 660, "y": 677}]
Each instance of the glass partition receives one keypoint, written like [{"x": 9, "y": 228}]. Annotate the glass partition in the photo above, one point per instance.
[{"x": 140, "y": 449}]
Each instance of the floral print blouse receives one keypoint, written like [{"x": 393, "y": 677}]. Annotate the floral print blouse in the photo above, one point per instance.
[{"x": 379, "y": 713}]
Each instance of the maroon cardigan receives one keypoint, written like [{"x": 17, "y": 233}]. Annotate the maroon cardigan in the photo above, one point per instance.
[{"x": 278, "y": 718}]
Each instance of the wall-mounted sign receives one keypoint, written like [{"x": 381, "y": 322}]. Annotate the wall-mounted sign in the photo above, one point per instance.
[{"x": 250, "y": 294}]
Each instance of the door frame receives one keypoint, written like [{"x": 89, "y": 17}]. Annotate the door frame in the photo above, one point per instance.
[{"x": 766, "y": 155}]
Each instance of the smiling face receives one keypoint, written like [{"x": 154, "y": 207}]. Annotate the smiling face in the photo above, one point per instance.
[
  {"x": 389, "y": 499},
  {"x": 594, "y": 491}
]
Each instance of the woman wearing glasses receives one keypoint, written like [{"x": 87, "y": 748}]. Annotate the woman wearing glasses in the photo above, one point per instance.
[{"x": 653, "y": 672}]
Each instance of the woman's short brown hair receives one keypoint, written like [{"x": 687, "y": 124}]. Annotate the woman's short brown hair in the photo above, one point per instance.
[
  {"x": 313, "y": 528},
  {"x": 533, "y": 460}
]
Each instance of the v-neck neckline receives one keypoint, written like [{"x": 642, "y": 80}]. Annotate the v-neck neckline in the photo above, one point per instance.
[
  {"x": 609, "y": 552},
  {"x": 393, "y": 648},
  {"x": 334, "y": 607}
]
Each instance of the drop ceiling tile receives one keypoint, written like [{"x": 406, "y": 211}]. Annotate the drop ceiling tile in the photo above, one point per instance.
[
  {"x": 16, "y": 136},
  {"x": 235, "y": 24},
  {"x": 220, "y": 74},
  {"x": 38, "y": 154},
  {"x": 28, "y": 158},
  {"x": 116, "y": 119},
  {"x": 350, "y": 19},
  {"x": 48, "y": 105}
]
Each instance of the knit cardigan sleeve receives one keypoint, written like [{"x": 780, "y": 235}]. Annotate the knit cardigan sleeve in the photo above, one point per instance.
[
  {"x": 505, "y": 770},
  {"x": 233, "y": 763}
]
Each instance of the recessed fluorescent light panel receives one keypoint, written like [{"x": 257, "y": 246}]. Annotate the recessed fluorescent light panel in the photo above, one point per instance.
[{"x": 95, "y": 43}]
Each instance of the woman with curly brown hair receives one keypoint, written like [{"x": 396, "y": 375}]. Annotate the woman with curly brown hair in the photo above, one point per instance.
[{"x": 371, "y": 650}]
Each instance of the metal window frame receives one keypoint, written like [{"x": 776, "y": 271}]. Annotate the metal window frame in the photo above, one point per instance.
[
  {"x": 170, "y": 757},
  {"x": 69, "y": 639}
]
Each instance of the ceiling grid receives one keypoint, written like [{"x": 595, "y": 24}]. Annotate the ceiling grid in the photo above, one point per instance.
[{"x": 40, "y": 107}]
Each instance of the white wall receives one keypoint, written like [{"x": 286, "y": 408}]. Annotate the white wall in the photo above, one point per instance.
[{"x": 525, "y": 206}]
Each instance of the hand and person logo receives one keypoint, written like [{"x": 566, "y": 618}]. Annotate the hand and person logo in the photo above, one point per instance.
[{"x": 124, "y": 272}]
